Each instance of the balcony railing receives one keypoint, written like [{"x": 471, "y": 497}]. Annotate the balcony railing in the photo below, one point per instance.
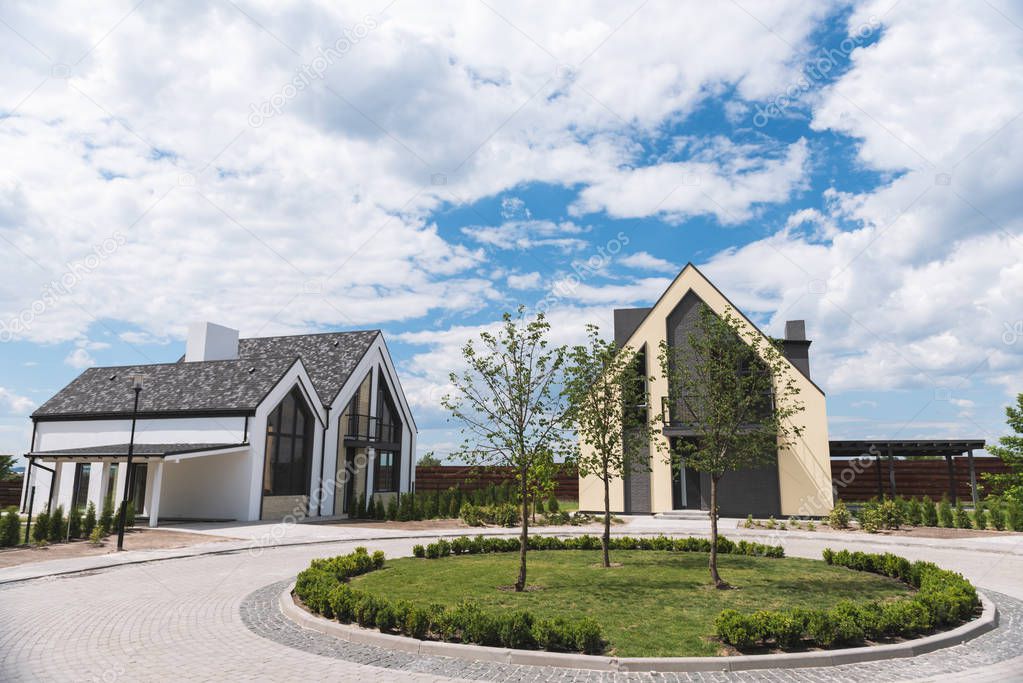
[
  {"x": 678, "y": 415},
  {"x": 371, "y": 429}
]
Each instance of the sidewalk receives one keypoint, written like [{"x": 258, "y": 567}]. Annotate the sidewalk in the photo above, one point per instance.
[{"x": 258, "y": 536}]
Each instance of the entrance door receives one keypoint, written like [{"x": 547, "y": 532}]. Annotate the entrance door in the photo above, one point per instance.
[{"x": 678, "y": 486}]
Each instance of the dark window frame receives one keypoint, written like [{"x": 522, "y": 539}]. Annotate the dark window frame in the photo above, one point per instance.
[
  {"x": 387, "y": 478},
  {"x": 80, "y": 493},
  {"x": 289, "y": 447}
]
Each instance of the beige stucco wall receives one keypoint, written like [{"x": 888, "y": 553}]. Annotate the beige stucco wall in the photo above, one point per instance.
[
  {"x": 804, "y": 470},
  {"x": 591, "y": 491}
]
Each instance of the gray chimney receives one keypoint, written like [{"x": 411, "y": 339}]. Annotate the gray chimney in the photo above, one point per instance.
[
  {"x": 207, "y": 341},
  {"x": 795, "y": 330},
  {"x": 797, "y": 346}
]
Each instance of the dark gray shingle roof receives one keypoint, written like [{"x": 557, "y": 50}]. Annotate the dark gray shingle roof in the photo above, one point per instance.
[
  {"x": 329, "y": 358},
  {"x": 215, "y": 386}
]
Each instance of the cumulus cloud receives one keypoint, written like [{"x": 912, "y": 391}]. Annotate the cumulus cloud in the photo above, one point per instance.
[
  {"x": 642, "y": 260},
  {"x": 14, "y": 403},
  {"x": 307, "y": 146},
  {"x": 525, "y": 280}
]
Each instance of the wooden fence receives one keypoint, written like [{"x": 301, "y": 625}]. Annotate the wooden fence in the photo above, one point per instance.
[
  {"x": 857, "y": 480},
  {"x": 469, "y": 478},
  {"x": 10, "y": 493}
]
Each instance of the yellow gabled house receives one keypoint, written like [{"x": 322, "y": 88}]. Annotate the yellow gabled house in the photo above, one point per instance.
[{"x": 798, "y": 479}]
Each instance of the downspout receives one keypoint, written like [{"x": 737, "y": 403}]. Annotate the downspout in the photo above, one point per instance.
[
  {"x": 323, "y": 456},
  {"x": 28, "y": 479}
]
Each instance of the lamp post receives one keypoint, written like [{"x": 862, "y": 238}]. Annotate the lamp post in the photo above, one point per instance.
[{"x": 136, "y": 386}]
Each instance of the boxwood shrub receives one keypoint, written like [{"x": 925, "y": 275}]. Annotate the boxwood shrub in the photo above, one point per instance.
[
  {"x": 324, "y": 589},
  {"x": 464, "y": 545},
  {"x": 943, "y": 598}
]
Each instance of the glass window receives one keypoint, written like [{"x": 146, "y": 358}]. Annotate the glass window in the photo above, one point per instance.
[
  {"x": 80, "y": 495},
  {"x": 289, "y": 444},
  {"x": 385, "y": 478},
  {"x": 111, "y": 484}
]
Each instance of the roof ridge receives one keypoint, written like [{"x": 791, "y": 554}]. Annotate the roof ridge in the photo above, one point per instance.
[{"x": 311, "y": 334}]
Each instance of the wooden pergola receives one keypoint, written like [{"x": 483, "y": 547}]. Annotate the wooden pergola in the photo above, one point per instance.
[{"x": 911, "y": 449}]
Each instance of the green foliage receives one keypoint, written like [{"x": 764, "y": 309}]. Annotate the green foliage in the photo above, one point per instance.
[
  {"x": 96, "y": 537},
  {"x": 106, "y": 518},
  {"x": 961, "y": 517},
  {"x": 58, "y": 526},
  {"x": 838, "y": 518},
  {"x": 89, "y": 523},
  {"x": 1014, "y": 515},
  {"x": 912, "y": 512},
  {"x": 997, "y": 515},
  {"x": 1008, "y": 485},
  {"x": 929, "y": 512},
  {"x": 504, "y": 514},
  {"x": 10, "y": 528},
  {"x": 552, "y": 503},
  {"x": 379, "y": 511},
  {"x": 511, "y": 409},
  {"x": 465, "y": 545},
  {"x": 41, "y": 527},
  {"x": 74, "y": 523},
  {"x": 945, "y": 517},
  {"x": 7, "y": 463},
  {"x": 886, "y": 514},
  {"x": 429, "y": 460},
  {"x": 979, "y": 516},
  {"x": 453, "y": 507},
  {"x": 944, "y": 598},
  {"x": 325, "y": 590}
]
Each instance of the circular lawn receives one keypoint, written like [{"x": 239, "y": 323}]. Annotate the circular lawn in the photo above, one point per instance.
[{"x": 657, "y": 604}]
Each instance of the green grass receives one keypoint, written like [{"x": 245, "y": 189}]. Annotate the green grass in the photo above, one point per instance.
[{"x": 657, "y": 604}]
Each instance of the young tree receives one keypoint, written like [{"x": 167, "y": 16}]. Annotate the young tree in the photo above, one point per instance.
[
  {"x": 7, "y": 463},
  {"x": 1010, "y": 449},
  {"x": 429, "y": 460},
  {"x": 731, "y": 387},
  {"x": 511, "y": 409},
  {"x": 607, "y": 395}
]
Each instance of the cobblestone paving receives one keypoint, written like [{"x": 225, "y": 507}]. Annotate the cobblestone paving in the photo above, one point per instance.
[
  {"x": 214, "y": 618},
  {"x": 261, "y": 613}
]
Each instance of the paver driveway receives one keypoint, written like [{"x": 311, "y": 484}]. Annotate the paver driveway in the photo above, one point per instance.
[{"x": 182, "y": 619}]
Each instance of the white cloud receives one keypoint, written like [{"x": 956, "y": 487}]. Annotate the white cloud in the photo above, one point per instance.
[
  {"x": 525, "y": 281},
  {"x": 642, "y": 260},
  {"x": 727, "y": 187},
  {"x": 920, "y": 288},
  {"x": 148, "y": 136},
  {"x": 79, "y": 359},
  {"x": 14, "y": 403},
  {"x": 529, "y": 234}
]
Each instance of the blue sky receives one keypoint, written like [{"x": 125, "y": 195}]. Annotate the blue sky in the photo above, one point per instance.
[{"x": 287, "y": 169}]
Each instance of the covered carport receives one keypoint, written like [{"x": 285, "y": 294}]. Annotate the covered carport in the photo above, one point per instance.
[
  {"x": 155, "y": 457},
  {"x": 876, "y": 451}
]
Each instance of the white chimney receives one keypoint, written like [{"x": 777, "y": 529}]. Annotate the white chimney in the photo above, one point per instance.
[{"x": 207, "y": 341}]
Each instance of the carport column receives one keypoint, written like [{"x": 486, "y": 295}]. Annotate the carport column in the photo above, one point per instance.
[
  {"x": 154, "y": 493},
  {"x": 891, "y": 472},
  {"x": 973, "y": 478},
  {"x": 951, "y": 479},
  {"x": 55, "y": 484}
]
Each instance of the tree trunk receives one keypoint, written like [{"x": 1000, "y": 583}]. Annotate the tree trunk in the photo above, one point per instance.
[
  {"x": 715, "y": 578},
  {"x": 605, "y": 540},
  {"x": 520, "y": 584}
]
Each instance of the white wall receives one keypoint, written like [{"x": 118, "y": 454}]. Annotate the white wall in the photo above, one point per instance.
[
  {"x": 52, "y": 436},
  {"x": 210, "y": 487}
]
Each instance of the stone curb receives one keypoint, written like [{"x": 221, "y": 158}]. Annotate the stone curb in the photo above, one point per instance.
[{"x": 987, "y": 621}]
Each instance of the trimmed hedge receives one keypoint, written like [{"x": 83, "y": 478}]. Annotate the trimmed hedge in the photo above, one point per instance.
[
  {"x": 943, "y": 598},
  {"x": 464, "y": 545},
  {"x": 325, "y": 590}
]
